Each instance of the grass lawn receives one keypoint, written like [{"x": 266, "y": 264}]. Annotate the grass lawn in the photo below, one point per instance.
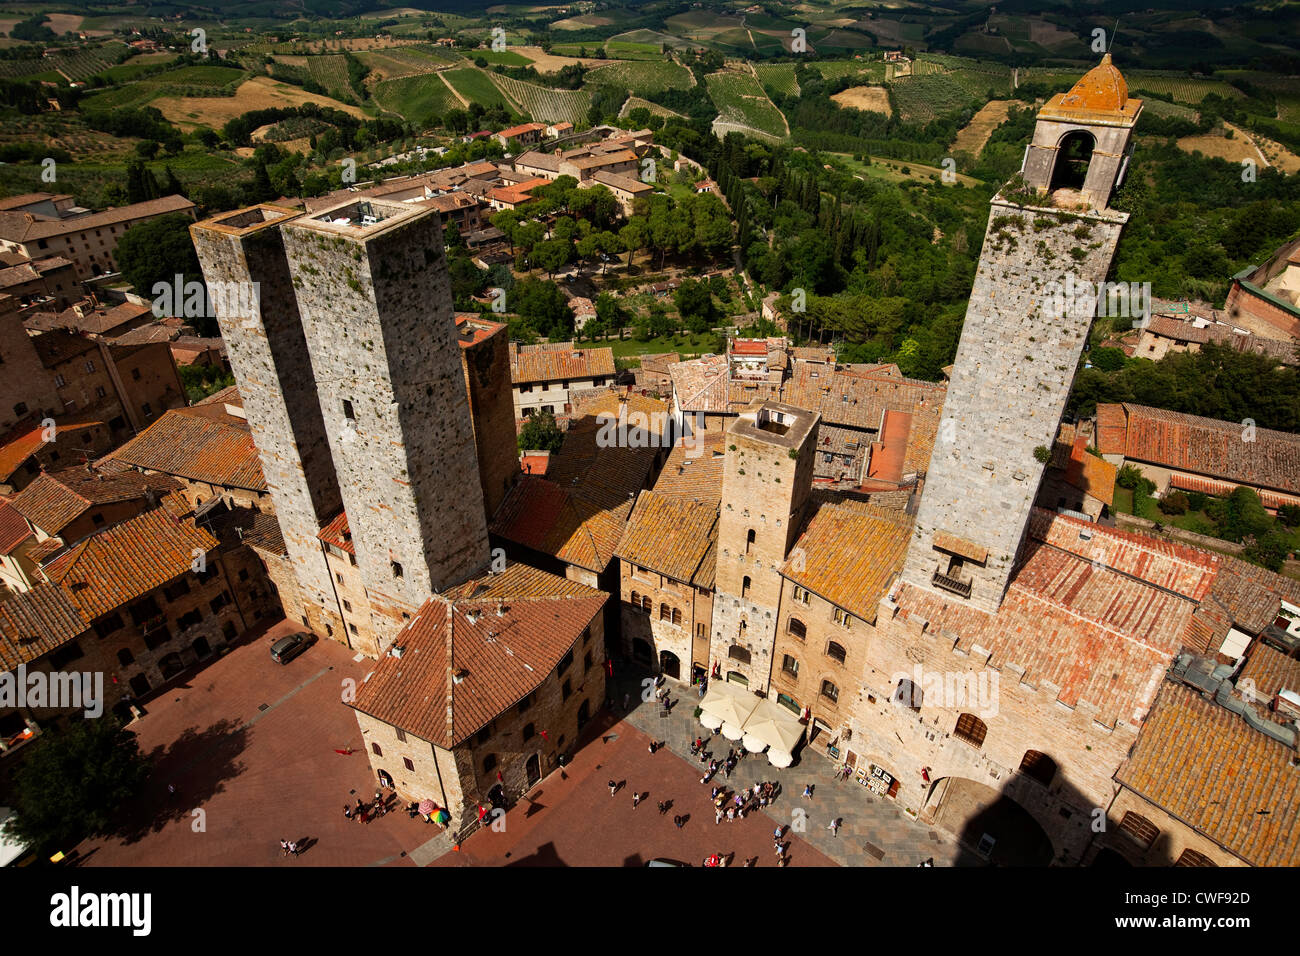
[{"x": 686, "y": 344}]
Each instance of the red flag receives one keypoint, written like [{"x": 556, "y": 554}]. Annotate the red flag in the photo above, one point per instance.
[
  {"x": 499, "y": 779},
  {"x": 544, "y": 736}
]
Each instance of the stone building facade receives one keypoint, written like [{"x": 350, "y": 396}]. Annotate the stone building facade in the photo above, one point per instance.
[
  {"x": 376, "y": 310},
  {"x": 268, "y": 353},
  {"x": 485, "y": 359},
  {"x": 1019, "y": 346},
  {"x": 767, "y": 477}
]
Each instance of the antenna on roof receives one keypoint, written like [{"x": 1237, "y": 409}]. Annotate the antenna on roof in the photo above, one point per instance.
[{"x": 1111, "y": 46}]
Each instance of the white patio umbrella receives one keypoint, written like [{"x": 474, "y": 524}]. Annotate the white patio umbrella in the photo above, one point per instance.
[
  {"x": 753, "y": 744},
  {"x": 734, "y": 710},
  {"x": 775, "y": 726},
  {"x": 732, "y": 732},
  {"x": 708, "y": 720},
  {"x": 779, "y": 758}
]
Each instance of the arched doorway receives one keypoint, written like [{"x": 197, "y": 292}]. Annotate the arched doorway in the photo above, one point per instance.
[
  {"x": 988, "y": 823},
  {"x": 642, "y": 652},
  {"x": 736, "y": 677},
  {"x": 533, "y": 769},
  {"x": 385, "y": 780},
  {"x": 1108, "y": 859},
  {"x": 1073, "y": 154},
  {"x": 670, "y": 665}
]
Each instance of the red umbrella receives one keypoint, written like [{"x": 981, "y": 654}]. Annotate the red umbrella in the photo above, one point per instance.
[{"x": 427, "y": 806}]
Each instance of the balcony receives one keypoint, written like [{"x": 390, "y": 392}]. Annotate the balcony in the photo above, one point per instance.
[{"x": 955, "y": 585}]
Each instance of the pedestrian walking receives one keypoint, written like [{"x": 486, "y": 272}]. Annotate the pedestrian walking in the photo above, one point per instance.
[
  {"x": 636, "y": 799},
  {"x": 717, "y": 816},
  {"x": 284, "y": 845},
  {"x": 663, "y": 808},
  {"x": 780, "y": 850},
  {"x": 293, "y": 848},
  {"x": 834, "y": 827},
  {"x": 678, "y": 822},
  {"x": 347, "y": 810},
  {"x": 807, "y": 791},
  {"x": 731, "y": 814},
  {"x": 613, "y": 787}
]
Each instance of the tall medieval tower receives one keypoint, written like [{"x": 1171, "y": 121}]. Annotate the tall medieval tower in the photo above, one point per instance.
[
  {"x": 353, "y": 384},
  {"x": 1028, "y": 319},
  {"x": 268, "y": 353},
  {"x": 767, "y": 478}
]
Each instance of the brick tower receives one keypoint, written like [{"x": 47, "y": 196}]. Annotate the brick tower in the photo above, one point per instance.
[
  {"x": 766, "y": 480},
  {"x": 1028, "y": 318},
  {"x": 376, "y": 310},
  {"x": 268, "y": 354}
]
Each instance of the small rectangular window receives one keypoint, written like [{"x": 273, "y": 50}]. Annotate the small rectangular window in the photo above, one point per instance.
[
  {"x": 406, "y": 762},
  {"x": 397, "y": 570},
  {"x": 348, "y": 413},
  {"x": 401, "y": 735}
]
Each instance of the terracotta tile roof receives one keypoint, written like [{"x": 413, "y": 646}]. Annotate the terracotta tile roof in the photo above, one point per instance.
[
  {"x": 27, "y": 438},
  {"x": 200, "y": 443},
  {"x": 1205, "y": 765},
  {"x": 558, "y": 361},
  {"x": 35, "y": 622},
  {"x": 57, "y": 498},
  {"x": 695, "y": 472},
  {"x": 97, "y": 321},
  {"x": 239, "y": 526},
  {"x": 626, "y": 183},
  {"x": 26, "y": 227},
  {"x": 55, "y": 348},
  {"x": 1270, "y": 671},
  {"x": 13, "y": 528},
  {"x": 501, "y": 659},
  {"x": 549, "y": 519},
  {"x": 1091, "y": 475},
  {"x": 518, "y": 193},
  {"x": 850, "y": 553},
  {"x": 46, "y": 549},
  {"x": 1092, "y": 633},
  {"x": 674, "y": 536},
  {"x": 1112, "y": 429},
  {"x": 1211, "y": 447},
  {"x": 1246, "y": 596},
  {"x": 521, "y": 130},
  {"x": 856, "y": 399},
  {"x": 920, "y": 440},
  {"x": 338, "y": 534},
  {"x": 890, "y": 451},
  {"x": 129, "y": 560},
  {"x": 946, "y": 541}
]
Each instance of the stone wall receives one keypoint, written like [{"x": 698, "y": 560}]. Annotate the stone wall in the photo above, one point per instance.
[
  {"x": 377, "y": 314},
  {"x": 1019, "y": 348},
  {"x": 491, "y": 404},
  {"x": 268, "y": 354}
]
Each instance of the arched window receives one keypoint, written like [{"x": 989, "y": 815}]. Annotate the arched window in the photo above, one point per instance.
[
  {"x": 636, "y": 600},
  {"x": 677, "y": 617},
  {"x": 749, "y": 540},
  {"x": 1039, "y": 766},
  {"x": 664, "y": 613},
  {"x": 738, "y": 653},
  {"x": 1139, "y": 829},
  {"x": 830, "y": 692},
  {"x": 1073, "y": 154},
  {"x": 836, "y": 652},
  {"x": 789, "y": 703},
  {"x": 907, "y": 694},
  {"x": 736, "y": 677},
  {"x": 971, "y": 729},
  {"x": 790, "y": 665},
  {"x": 797, "y": 628},
  {"x": 744, "y": 587},
  {"x": 646, "y": 604},
  {"x": 1192, "y": 858}
]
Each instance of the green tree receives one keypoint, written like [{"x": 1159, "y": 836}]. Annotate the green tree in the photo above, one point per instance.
[
  {"x": 540, "y": 433},
  {"x": 155, "y": 251},
  {"x": 74, "y": 781},
  {"x": 553, "y": 255},
  {"x": 695, "y": 303}
]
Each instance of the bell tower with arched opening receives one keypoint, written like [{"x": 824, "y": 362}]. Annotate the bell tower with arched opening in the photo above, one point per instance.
[
  {"x": 1047, "y": 249},
  {"x": 1083, "y": 138}
]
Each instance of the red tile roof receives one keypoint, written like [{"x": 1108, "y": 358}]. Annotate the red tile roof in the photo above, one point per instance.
[
  {"x": 558, "y": 361},
  {"x": 56, "y": 499},
  {"x": 1205, "y": 765},
  {"x": 674, "y": 536},
  {"x": 499, "y": 658},
  {"x": 338, "y": 534},
  {"x": 13, "y": 528},
  {"x": 200, "y": 443},
  {"x": 129, "y": 560},
  {"x": 1112, "y": 429},
  {"x": 35, "y": 622},
  {"x": 27, "y": 438}
]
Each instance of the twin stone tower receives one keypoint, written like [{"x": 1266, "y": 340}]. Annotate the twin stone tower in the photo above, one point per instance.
[{"x": 351, "y": 380}]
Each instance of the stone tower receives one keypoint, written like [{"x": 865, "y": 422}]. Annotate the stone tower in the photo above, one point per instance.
[
  {"x": 241, "y": 252},
  {"x": 1046, "y": 250},
  {"x": 766, "y": 480},
  {"x": 376, "y": 310}
]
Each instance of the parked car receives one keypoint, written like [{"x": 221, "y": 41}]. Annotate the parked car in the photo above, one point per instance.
[{"x": 287, "y": 648}]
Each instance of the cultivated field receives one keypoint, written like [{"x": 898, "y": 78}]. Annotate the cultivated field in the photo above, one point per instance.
[
  {"x": 919, "y": 99},
  {"x": 474, "y": 86},
  {"x": 416, "y": 97},
  {"x": 1241, "y": 146},
  {"x": 259, "y": 93},
  {"x": 872, "y": 99},
  {"x": 644, "y": 76},
  {"x": 972, "y": 137},
  {"x": 741, "y": 102},
  {"x": 542, "y": 103},
  {"x": 633, "y": 102}
]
